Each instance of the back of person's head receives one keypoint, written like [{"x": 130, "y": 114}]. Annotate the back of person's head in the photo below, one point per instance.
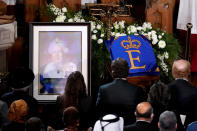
[
  {"x": 159, "y": 94},
  {"x": 71, "y": 117},
  {"x": 75, "y": 84},
  {"x": 167, "y": 121},
  {"x": 20, "y": 77},
  {"x": 110, "y": 122},
  {"x": 18, "y": 111},
  {"x": 120, "y": 68},
  {"x": 181, "y": 69},
  {"x": 34, "y": 124},
  {"x": 144, "y": 111},
  {"x": 75, "y": 89}
]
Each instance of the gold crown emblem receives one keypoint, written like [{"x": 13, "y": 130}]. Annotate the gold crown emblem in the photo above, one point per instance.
[{"x": 130, "y": 43}]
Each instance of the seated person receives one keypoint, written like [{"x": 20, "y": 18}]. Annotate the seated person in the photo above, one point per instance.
[
  {"x": 159, "y": 97},
  {"x": 20, "y": 80},
  {"x": 71, "y": 119},
  {"x": 18, "y": 113},
  {"x": 144, "y": 116},
  {"x": 167, "y": 121},
  {"x": 110, "y": 122},
  {"x": 34, "y": 124}
]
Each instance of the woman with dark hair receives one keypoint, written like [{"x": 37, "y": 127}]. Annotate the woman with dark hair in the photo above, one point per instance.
[
  {"x": 75, "y": 90},
  {"x": 159, "y": 97},
  {"x": 75, "y": 95}
]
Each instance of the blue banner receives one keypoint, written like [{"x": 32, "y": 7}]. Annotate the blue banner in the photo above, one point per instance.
[{"x": 138, "y": 52}]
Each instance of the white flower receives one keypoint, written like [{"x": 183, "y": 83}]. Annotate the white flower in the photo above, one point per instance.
[
  {"x": 102, "y": 35},
  {"x": 132, "y": 29},
  {"x": 59, "y": 13},
  {"x": 123, "y": 34},
  {"x": 94, "y": 37},
  {"x": 56, "y": 13},
  {"x": 116, "y": 26},
  {"x": 166, "y": 55},
  {"x": 153, "y": 32},
  {"x": 78, "y": 20},
  {"x": 120, "y": 34},
  {"x": 95, "y": 31},
  {"x": 121, "y": 23},
  {"x": 164, "y": 66},
  {"x": 117, "y": 34},
  {"x": 113, "y": 33},
  {"x": 60, "y": 18},
  {"x": 145, "y": 34},
  {"x": 149, "y": 35},
  {"x": 82, "y": 20},
  {"x": 147, "y": 25},
  {"x": 92, "y": 25},
  {"x": 64, "y": 9},
  {"x": 154, "y": 36},
  {"x": 98, "y": 27},
  {"x": 139, "y": 28},
  {"x": 162, "y": 34},
  {"x": 162, "y": 44},
  {"x": 99, "y": 41},
  {"x": 161, "y": 57},
  {"x": 70, "y": 20},
  {"x": 159, "y": 36},
  {"x": 154, "y": 41}
]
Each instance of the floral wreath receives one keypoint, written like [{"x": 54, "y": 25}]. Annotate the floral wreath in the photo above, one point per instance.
[{"x": 165, "y": 46}]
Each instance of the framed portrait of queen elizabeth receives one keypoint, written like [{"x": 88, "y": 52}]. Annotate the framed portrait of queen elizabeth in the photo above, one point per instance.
[{"x": 56, "y": 50}]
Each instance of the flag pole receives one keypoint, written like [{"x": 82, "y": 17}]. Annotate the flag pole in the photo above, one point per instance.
[{"x": 187, "y": 53}]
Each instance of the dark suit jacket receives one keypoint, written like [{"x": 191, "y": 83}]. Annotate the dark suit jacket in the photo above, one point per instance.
[
  {"x": 184, "y": 98},
  {"x": 121, "y": 98},
  {"x": 3, "y": 113},
  {"x": 13, "y": 126},
  {"x": 139, "y": 126}
]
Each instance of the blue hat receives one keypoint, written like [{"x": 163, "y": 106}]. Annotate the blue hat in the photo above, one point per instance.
[{"x": 192, "y": 126}]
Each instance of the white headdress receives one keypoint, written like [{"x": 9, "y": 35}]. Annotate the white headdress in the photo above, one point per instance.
[{"x": 109, "y": 122}]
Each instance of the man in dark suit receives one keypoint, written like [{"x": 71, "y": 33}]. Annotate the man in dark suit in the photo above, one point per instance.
[
  {"x": 183, "y": 94},
  {"x": 144, "y": 116},
  {"x": 167, "y": 121},
  {"x": 119, "y": 97}
]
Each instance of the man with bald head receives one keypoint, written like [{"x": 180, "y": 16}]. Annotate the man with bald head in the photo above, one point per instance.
[
  {"x": 183, "y": 94},
  {"x": 144, "y": 116}
]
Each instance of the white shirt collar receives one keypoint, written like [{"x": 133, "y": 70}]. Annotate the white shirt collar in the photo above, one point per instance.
[
  {"x": 181, "y": 79},
  {"x": 143, "y": 121},
  {"x": 120, "y": 78}
]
